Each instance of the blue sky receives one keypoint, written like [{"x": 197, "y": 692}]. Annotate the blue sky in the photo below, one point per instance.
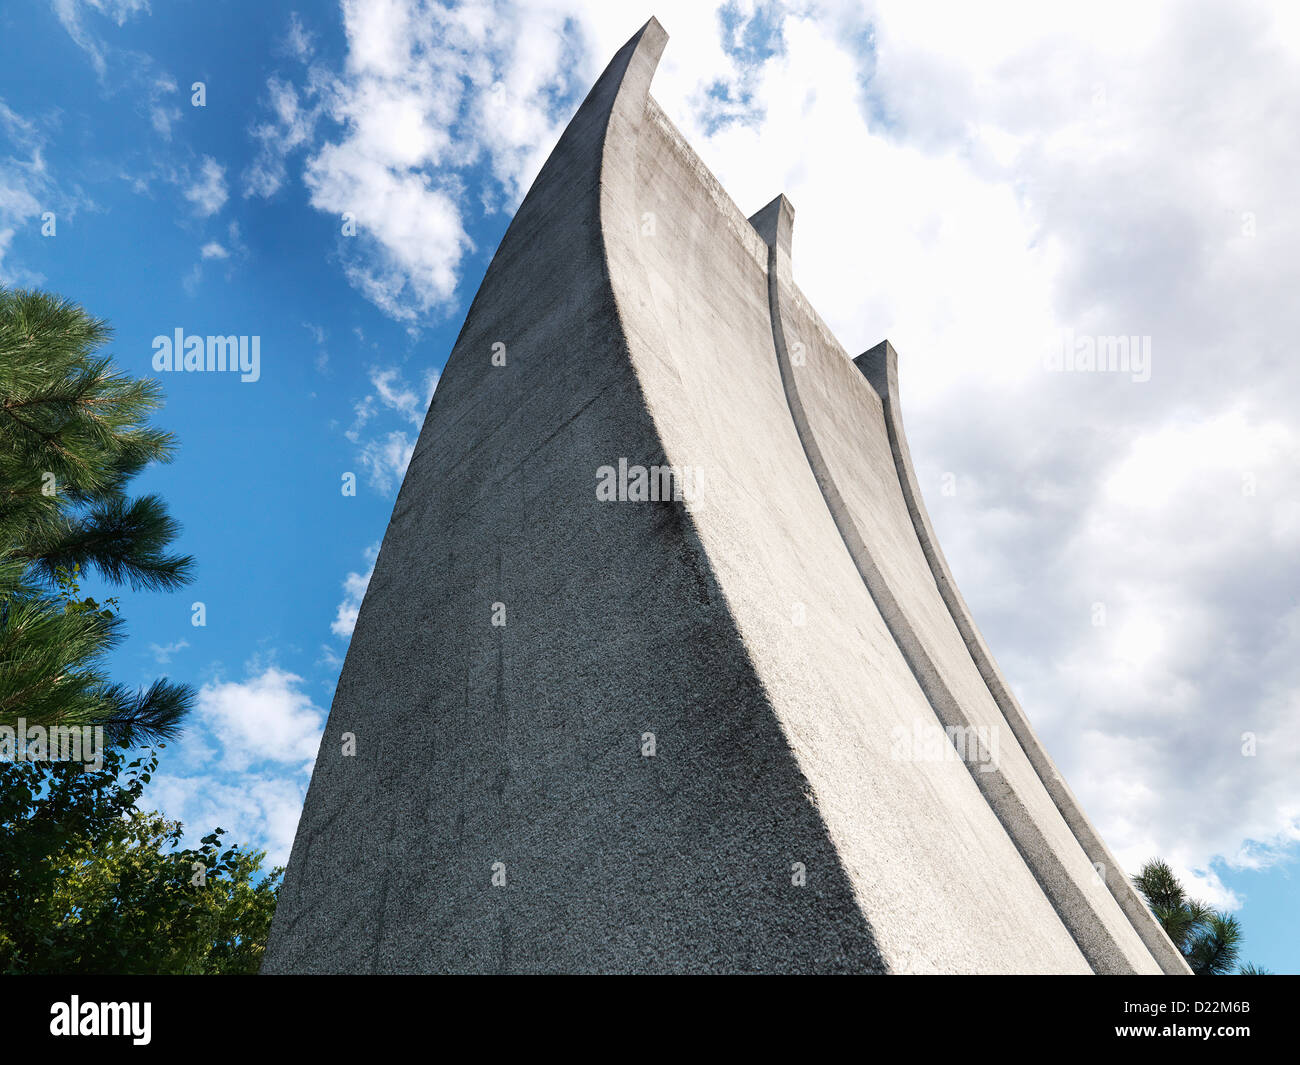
[
  {"x": 1018, "y": 176},
  {"x": 257, "y": 481}
]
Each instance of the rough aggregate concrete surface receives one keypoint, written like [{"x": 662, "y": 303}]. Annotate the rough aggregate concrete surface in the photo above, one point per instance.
[{"x": 775, "y": 632}]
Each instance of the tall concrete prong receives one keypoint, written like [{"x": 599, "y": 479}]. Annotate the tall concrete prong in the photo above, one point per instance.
[{"x": 660, "y": 668}]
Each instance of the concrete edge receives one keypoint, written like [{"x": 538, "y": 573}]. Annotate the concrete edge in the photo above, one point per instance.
[
  {"x": 879, "y": 365},
  {"x": 1074, "y": 909},
  {"x": 629, "y": 108}
]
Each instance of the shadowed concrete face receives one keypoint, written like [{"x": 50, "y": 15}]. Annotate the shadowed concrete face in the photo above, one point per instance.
[{"x": 679, "y": 746}]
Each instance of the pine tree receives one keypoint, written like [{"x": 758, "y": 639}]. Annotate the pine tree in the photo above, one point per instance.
[
  {"x": 1208, "y": 939},
  {"x": 73, "y": 433}
]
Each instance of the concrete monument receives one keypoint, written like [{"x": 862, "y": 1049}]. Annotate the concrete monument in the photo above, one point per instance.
[{"x": 661, "y": 668}]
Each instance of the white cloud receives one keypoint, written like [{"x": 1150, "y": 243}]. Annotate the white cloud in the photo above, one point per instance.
[
  {"x": 28, "y": 192},
  {"x": 245, "y": 763},
  {"x": 395, "y": 395},
  {"x": 119, "y": 10},
  {"x": 331, "y": 660},
  {"x": 260, "y": 809},
  {"x": 163, "y": 113},
  {"x": 318, "y": 336},
  {"x": 215, "y": 251},
  {"x": 292, "y": 126},
  {"x": 1197, "y": 649},
  {"x": 972, "y": 184},
  {"x": 426, "y": 93},
  {"x": 265, "y": 719},
  {"x": 208, "y": 191},
  {"x": 1014, "y": 177},
  {"x": 24, "y": 184},
  {"x": 354, "y": 590},
  {"x": 190, "y": 282},
  {"x": 970, "y": 181},
  {"x": 162, "y": 653},
  {"x": 409, "y": 229},
  {"x": 70, "y": 13},
  {"x": 385, "y": 455},
  {"x": 300, "y": 41}
]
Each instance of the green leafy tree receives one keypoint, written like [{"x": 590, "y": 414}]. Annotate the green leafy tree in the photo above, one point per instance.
[
  {"x": 89, "y": 883},
  {"x": 1208, "y": 939},
  {"x": 73, "y": 433}
]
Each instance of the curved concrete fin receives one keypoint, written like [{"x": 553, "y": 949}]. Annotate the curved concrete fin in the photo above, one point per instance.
[
  {"x": 645, "y": 49},
  {"x": 697, "y": 745},
  {"x": 625, "y": 82},
  {"x": 602, "y": 784},
  {"x": 560, "y": 210},
  {"x": 832, "y": 427},
  {"x": 775, "y": 224},
  {"x": 879, "y": 365},
  {"x": 701, "y": 292}
]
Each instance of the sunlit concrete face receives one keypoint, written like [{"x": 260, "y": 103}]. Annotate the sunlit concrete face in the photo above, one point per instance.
[{"x": 590, "y": 723}]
